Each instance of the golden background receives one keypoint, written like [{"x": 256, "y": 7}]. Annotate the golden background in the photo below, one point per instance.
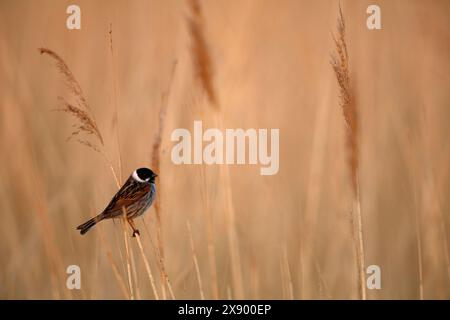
[{"x": 283, "y": 236}]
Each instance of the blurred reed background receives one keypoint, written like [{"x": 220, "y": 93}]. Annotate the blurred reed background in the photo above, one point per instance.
[{"x": 226, "y": 231}]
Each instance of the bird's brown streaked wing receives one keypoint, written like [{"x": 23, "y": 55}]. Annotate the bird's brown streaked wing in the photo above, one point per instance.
[{"x": 125, "y": 197}]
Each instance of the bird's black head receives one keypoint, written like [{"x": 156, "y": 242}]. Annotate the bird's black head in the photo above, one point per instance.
[{"x": 144, "y": 175}]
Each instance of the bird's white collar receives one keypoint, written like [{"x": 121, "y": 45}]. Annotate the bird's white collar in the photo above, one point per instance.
[{"x": 136, "y": 177}]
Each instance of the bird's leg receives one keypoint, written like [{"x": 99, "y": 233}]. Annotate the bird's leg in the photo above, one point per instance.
[{"x": 135, "y": 231}]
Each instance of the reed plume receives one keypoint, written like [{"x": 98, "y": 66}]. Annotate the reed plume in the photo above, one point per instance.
[
  {"x": 339, "y": 61},
  {"x": 200, "y": 52},
  {"x": 340, "y": 64},
  {"x": 81, "y": 110},
  {"x": 86, "y": 124},
  {"x": 202, "y": 62}
]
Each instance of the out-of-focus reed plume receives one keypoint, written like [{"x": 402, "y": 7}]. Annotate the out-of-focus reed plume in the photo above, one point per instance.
[
  {"x": 339, "y": 61},
  {"x": 203, "y": 67},
  {"x": 200, "y": 53},
  {"x": 340, "y": 64}
]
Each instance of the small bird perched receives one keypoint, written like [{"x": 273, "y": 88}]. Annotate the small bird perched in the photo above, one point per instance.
[{"x": 133, "y": 199}]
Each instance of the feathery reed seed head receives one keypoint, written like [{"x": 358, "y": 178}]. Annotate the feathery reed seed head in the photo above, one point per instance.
[
  {"x": 81, "y": 110},
  {"x": 339, "y": 62},
  {"x": 200, "y": 53}
]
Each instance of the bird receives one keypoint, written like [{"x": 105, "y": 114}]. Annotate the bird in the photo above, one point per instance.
[{"x": 133, "y": 199}]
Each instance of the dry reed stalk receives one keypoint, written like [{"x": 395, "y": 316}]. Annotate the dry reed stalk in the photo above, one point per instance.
[
  {"x": 134, "y": 275},
  {"x": 235, "y": 257},
  {"x": 161, "y": 265},
  {"x": 209, "y": 235},
  {"x": 419, "y": 252},
  {"x": 194, "y": 257},
  {"x": 360, "y": 246},
  {"x": 28, "y": 168},
  {"x": 323, "y": 288},
  {"x": 414, "y": 167},
  {"x": 203, "y": 67},
  {"x": 254, "y": 278},
  {"x": 308, "y": 221},
  {"x": 419, "y": 173},
  {"x": 156, "y": 165},
  {"x": 111, "y": 168},
  {"x": 115, "y": 99},
  {"x": 287, "y": 273},
  {"x": 445, "y": 242},
  {"x": 301, "y": 270},
  {"x": 182, "y": 277},
  {"x": 443, "y": 228},
  {"x": 147, "y": 267},
  {"x": 56, "y": 265},
  {"x": 233, "y": 241},
  {"x": 430, "y": 203},
  {"x": 405, "y": 141},
  {"x": 119, "y": 247},
  {"x": 113, "y": 265},
  {"x": 339, "y": 62},
  {"x": 430, "y": 184},
  {"x": 116, "y": 121},
  {"x": 95, "y": 273},
  {"x": 283, "y": 278},
  {"x": 127, "y": 252},
  {"x": 127, "y": 249}
]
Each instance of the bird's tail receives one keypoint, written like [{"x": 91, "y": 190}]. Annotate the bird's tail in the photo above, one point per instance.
[{"x": 89, "y": 224}]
